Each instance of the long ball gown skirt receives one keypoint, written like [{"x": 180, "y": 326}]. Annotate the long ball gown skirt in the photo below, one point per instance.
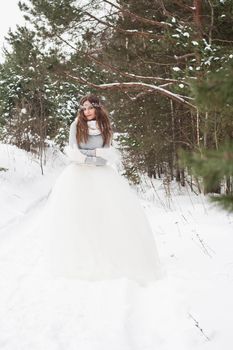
[{"x": 96, "y": 228}]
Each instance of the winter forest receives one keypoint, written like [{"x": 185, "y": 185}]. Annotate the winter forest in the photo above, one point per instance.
[{"x": 164, "y": 70}]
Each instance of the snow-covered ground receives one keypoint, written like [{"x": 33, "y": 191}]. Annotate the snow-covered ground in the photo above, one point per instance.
[{"x": 190, "y": 308}]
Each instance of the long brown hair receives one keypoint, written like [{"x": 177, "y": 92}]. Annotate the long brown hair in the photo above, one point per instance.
[{"x": 102, "y": 119}]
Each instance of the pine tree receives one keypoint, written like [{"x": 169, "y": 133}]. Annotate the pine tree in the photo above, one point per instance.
[
  {"x": 148, "y": 53},
  {"x": 36, "y": 105},
  {"x": 215, "y": 167}
]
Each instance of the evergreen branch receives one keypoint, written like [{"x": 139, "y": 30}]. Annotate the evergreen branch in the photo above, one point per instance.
[
  {"x": 225, "y": 201},
  {"x": 125, "y": 31},
  {"x": 135, "y": 76},
  {"x": 125, "y": 74},
  {"x": 137, "y": 17}
]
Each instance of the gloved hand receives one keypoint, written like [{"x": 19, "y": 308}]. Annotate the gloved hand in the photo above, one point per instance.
[{"x": 75, "y": 155}]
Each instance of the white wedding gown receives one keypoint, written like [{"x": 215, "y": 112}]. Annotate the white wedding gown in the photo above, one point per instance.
[{"x": 96, "y": 228}]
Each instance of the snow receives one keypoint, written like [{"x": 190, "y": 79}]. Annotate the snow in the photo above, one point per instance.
[
  {"x": 190, "y": 308},
  {"x": 150, "y": 86},
  {"x": 23, "y": 111}
]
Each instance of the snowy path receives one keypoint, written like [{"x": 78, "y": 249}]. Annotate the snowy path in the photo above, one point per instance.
[
  {"x": 191, "y": 308},
  {"x": 42, "y": 314}
]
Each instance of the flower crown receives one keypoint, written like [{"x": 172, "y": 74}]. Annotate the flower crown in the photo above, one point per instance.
[
  {"x": 96, "y": 104},
  {"x": 93, "y": 104}
]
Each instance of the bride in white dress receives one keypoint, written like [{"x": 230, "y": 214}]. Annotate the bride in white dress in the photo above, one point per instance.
[{"x": 96, "y": 226}]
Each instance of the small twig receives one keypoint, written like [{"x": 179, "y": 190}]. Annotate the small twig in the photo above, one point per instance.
[
  {"x": 161, "y": 201},
  {"x": 184, "y": 218},
  {"x": 204, "y": 245},
  {"x": 202, "y": 242},
  {"x": 177, "y": 223},
  {"x": 197, "y": 325}
]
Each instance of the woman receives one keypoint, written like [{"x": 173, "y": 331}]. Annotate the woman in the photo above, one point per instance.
[{"x": 96, "y": 225}]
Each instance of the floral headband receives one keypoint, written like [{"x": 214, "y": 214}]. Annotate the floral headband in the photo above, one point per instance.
[{"x": 81, "y": 107}]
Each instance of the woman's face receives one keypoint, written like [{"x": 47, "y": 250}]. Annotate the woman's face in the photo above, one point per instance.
[{"x": 88, "y": 110}]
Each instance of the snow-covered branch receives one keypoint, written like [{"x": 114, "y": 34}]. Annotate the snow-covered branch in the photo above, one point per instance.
[
  {"x": 135, "y": 86},
  {"x": 184, "y": 57},
  {"x": 124, "y": 74}
]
